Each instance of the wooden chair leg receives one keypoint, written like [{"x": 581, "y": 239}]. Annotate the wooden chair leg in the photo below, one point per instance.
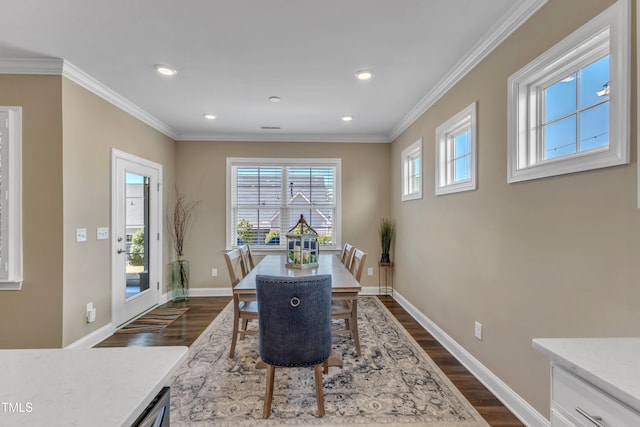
[
  {"x": 268, "y": 394},
  {"x": 234, "y": 337},
  {"x": 319, "y": 393},
  {"x": 354, "y": 326},
  {"x": 245, "y": 323}
]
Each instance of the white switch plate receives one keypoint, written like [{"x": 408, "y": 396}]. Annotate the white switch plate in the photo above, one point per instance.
[
  {"x": 102, "y": 233},
  {"x": 214, "y": 272},
  {"x": 81, "y": 235},
  {"x": 370, "y": 271},
  {"x": 478, "y": 330}
]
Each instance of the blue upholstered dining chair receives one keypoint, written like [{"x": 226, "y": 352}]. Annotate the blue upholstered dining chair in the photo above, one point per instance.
[{"x": 295, "y": 327}]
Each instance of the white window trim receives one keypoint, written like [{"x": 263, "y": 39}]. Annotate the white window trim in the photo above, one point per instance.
[
  {"x": 520, "y": 130},
  {"x": 465, "y": 119},
  {"x": 256, "y": 161},
  {"x": 11, "y": 274},
  {"x": 410, "y": 151}
]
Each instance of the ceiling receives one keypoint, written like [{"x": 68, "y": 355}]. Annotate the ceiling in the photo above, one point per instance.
[{"x": 232, "y": 55}]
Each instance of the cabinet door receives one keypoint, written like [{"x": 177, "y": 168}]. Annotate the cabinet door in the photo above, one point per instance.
[{"x": 557, "y": 420}]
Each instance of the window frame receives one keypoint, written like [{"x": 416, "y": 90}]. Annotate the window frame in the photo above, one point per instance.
[
  {"x": 11, "y": 273},
  {"x": 607, "y": 32},
  {"x": 284, "y": 163},
  {"x": 463, "y": 121},
  {"x": 412, "y": 151}
]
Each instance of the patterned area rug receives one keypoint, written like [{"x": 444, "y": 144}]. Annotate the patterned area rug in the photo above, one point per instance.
[
  {"x": 154, "y": 321},
  {"x": 393, "y": 382}
]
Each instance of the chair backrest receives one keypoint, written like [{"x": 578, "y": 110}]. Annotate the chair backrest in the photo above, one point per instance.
[
  {"x": 294, "y": 314},
  {"x": 235, "y": 264},
  {"x": 248, "y": 258},
  {"x": 357, "y": 263},
  {"x": 347, "y": 253}
]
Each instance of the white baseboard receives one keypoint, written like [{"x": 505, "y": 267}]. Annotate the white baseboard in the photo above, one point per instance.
[
  {"x": 210, "y": 292},
  {"x": 509, "y": 398},
  {"x": 94, "y": 337},
  {"x": 227, "y": 292}
]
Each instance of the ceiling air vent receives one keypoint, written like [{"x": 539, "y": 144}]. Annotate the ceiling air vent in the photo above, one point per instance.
[{"x": 270, "y": 127}]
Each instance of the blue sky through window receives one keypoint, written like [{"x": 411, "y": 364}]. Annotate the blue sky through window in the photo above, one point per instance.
[{"x": 576, "y": 111}]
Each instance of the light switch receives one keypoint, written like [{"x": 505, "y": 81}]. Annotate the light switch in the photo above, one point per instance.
[
  {"x": 81, "y": 235},
  {"x": 102, "y": 233}
]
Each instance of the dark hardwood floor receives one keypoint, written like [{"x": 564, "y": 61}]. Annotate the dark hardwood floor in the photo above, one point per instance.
[{"x": 203, "y": 310}]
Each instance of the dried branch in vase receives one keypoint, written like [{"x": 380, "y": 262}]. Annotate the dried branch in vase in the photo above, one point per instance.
[{"x": 179, "y": 221}]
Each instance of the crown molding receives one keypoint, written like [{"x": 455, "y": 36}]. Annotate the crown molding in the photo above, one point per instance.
[
  {"x": 60, "y": 67},
  {"x": 515, "y": 17},
  {"x": 40, "y": 66},
  {"x": 81, "y": 78},
  {"x": 282, "y": 137}
]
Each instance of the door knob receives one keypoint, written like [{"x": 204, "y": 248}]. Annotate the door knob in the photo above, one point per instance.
[{"x": 121, "y": 251}]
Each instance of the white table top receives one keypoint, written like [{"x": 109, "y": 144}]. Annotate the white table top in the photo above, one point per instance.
[
  {"x": 274, "y": 265},
  {"x": 83, "y": 387},
  {"x": 611, "y": 364}
]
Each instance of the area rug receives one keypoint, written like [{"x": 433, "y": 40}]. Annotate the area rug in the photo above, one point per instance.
[
  {"x": 393, "y": 382},
  {"x": 154, "y": 321}
]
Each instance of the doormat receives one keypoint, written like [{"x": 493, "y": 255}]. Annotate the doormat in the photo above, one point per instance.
[{"x": 154, "y": 321}]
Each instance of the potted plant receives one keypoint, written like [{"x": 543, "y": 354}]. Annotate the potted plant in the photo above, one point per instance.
[
  {"x": 386, "y": 232},
  {"x": 178, "y": 223}
]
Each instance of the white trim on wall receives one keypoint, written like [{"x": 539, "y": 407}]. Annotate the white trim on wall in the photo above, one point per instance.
[{"x": 509, "y": 398}]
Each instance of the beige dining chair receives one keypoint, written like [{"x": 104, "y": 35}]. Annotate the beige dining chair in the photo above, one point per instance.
[
  {"x": 248, "y": 258},
  {"x": 346, "y": 309},
  {"x": 346, "y": 254},
  {"x": 244, "y": 310}
]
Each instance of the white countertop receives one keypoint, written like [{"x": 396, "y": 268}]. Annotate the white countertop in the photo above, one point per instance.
[
  {"x": 80, "y": 387},
  {"x": 611, "y": 364}
]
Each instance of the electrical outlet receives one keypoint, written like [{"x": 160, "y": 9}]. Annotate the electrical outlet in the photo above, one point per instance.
[
  {"x": 81, "y": 235},
  {"x": 370, "y": 271},
  {"x": 478, "y": 330},
  {"x": 214, "y": 272}
]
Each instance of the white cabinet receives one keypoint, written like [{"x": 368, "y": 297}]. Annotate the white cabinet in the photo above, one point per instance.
[
  {"x": 595, "y": 382},
  {"x": 575, "y": 402}
]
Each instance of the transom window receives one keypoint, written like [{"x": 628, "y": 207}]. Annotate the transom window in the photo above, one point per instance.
[
  {"x": 267, "y": 196},
  {"x": 456, "y": 153},
  {"x": 412, "y": 171},
  {"x": 569, "y": 108}
]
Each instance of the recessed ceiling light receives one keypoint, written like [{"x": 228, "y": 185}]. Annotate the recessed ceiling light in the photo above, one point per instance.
[
  {"x": 165, "y": 70},
  {"x": 209, "y": 116},
  {"x": 274, "y": 98},
  {"x": 347, "y": 118},
  {"x": 364, "y": 75}
]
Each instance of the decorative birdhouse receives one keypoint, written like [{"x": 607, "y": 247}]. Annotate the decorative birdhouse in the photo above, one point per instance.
[{"x": 302, "y": 246}]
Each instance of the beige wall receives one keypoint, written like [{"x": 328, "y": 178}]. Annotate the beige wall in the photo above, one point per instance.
[
  {"x": 554, "y": 257},
  {"x": 201, "y": 172},
  {"x": 92, "y": 127},
  {"x": 32, "y": 317},
  {"x": 67, "y": 136}
]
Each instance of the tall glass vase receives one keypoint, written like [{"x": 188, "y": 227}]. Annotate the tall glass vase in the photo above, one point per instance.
[{"x": 180, "y": 280}]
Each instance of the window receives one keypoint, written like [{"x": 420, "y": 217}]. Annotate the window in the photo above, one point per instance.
[
  {"x": 412, "y": 171},
  {"x": 266, "y": 197},
  {"x": 569, "y": 108},
  {"x": 10, "y": 198},
  {"x": 456, "y": 153}
]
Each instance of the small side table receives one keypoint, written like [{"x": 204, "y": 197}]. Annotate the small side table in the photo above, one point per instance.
[{"x": 387, "y": 283}]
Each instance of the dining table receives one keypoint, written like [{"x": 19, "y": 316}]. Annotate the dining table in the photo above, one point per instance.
[{"x": 344, "y": 285}]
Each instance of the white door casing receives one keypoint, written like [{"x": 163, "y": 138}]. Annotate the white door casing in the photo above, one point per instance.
[{"x": 126, "y": 308}]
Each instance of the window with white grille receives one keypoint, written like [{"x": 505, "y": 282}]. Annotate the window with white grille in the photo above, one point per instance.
[
  {"x": 265, "y": 198},
  {"x": 456, "y": 153},
  {"x": 568, "y": 110}
]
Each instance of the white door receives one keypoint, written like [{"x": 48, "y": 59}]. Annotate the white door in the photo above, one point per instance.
[{"x": 135, "y": 220}]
